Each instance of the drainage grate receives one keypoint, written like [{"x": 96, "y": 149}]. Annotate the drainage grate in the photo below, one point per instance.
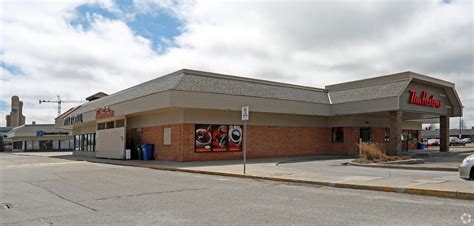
[{"x": 6, "y": 206}]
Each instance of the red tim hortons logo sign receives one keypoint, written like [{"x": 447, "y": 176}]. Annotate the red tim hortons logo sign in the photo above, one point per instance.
[
  {"x": 104, "y": 112},
  {"x": 424, "y": 100}
]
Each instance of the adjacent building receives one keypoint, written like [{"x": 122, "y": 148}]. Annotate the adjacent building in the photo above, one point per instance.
[
  {"x": 16, "y": 117},
  {"x": 195, "y": 116},
  {"x": 464, "y": 133},
  {"x": 40, "y": 137}
]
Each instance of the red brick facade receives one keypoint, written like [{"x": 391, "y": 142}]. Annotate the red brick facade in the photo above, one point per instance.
[{"x": 263, "y": 142}]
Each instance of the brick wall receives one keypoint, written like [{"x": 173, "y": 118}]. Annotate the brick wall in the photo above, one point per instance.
[
  {"x": 267, "y": 141},
  {"x": 154, "y": 135},
  {"x": 349, "y": 147},
  {"x": 263, "y": 142}
]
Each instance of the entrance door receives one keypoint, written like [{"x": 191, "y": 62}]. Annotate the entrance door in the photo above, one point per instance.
[{"x": 366, "y": 135}]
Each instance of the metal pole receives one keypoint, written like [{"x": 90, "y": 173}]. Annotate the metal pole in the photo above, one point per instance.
[
  {"x": 245, "y": 145},
  {"x": 59, "y": 105}
]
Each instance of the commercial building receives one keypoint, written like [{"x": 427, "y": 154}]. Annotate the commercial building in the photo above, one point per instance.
[
  {"x": 7, "y": 143},
  {"x": 464, "y": 133},
  {"x": 16, "y": 117},
  {"x": 40, "y": 137},
  {"x": 194, "y": 116}
]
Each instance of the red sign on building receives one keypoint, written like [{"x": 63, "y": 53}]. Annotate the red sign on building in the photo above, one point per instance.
[
  {"x": 104, "y": 112},
  {"x": 424, "y": 100}
]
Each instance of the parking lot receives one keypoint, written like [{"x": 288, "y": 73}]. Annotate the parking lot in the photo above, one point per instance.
[{"x": 40, "y": 190}]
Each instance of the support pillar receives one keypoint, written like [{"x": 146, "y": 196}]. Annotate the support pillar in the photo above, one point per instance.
[
  {"x": 395, "y": 142},
  {"x": 443, "y": 133}
]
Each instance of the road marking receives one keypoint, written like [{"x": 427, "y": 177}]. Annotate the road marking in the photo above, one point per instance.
[{"x": 42, "y": 164}]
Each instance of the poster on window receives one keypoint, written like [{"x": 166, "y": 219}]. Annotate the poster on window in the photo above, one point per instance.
[
  {"x": 219, "y": 138},
  {"x": 203, "y": 138},
  {"x": 235, "y": 138}
]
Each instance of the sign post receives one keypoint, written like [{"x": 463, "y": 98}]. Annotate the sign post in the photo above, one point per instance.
[{"x": 245, "y": 118}]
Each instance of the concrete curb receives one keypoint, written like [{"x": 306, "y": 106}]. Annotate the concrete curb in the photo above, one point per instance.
[
  {"x": 428, "y": 153},
  {"x": 414, "y": 191},
  {"x": 391, "y": 166}
]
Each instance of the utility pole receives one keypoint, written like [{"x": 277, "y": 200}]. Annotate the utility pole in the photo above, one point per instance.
[
  {"x": 59, "y": 101},
  {"x": 461, "y": 124}
]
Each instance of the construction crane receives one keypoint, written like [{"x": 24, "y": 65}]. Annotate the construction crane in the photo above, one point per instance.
[{"x": 59, "y": 101}]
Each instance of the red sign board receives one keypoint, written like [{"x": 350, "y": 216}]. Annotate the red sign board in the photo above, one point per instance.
[
  {"x": 104, "y": 112},
  {"x": 424, "y": 100}
]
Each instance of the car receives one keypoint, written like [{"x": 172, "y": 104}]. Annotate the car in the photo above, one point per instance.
[
  {"x": 433, "y": 142},
  {"x": 467, "y": 140},
  {"x": 455, "y": 141},
  {"x": 466, "y": 169}
]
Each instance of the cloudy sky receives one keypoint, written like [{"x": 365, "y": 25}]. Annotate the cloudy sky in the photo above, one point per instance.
[{"x": 77, "y": 48}]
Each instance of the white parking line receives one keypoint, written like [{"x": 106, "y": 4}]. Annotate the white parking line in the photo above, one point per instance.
[{"x": 41, "y": 164}]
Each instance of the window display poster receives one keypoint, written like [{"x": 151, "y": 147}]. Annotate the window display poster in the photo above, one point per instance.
[
  {"x": 235, "y": 138},
  {"x": 219, "y": 137},
  {"x": 203, "y": 137}
]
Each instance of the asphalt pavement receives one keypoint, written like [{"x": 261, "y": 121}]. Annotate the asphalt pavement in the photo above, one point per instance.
[{"x": 38, "y": 190}]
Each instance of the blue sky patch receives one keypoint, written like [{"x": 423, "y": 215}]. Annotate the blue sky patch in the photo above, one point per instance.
[
  {"x": 14, "y": 70},
  {"x": 155, "y": 24},
  {"x": 4, "y": 106}
]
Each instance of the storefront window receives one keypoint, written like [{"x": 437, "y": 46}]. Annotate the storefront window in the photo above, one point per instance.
[
  {"x": 77, "y": 142},
  {"x": 338, "y": 135},
  {"x": 18, "y": 145},
  {"x": 119, "y": 123},
  {"x": 29, "y": 145},
  {"x": 386, "y": 135},
  {"x": 36, "y": 145},
  {"x": 64, "y": 144},
  {"x": 93, "y": 142},
  {"x": 55, "y": 144},
  {"x": 90, "y": 142},
  {"x": 46, "y": 145},
  {"x": 366, "y": 135},
  {"x": 101, "y": 126},
  {"x": 110, "y": 125},
  {"x": 411, "y": 134},
  {"x": 83, "y": 142}
]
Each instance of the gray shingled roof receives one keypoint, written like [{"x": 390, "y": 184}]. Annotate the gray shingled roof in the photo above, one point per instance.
[
  {"x": 371, "y": 92},
  {"x": 186, "y": 80},
  {"x": 198, "y": 83},
  {"x": 157, "y": 85}
]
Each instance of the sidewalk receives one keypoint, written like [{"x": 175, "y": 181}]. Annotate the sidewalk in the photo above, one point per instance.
[
  {"x": 433, "y": 160},
  {"x": 448, "y": 185}
]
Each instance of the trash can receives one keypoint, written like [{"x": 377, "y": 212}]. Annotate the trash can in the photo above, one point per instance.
[
  {"x": 147, "y": 151},
  {"x": 420, "y": 145}
]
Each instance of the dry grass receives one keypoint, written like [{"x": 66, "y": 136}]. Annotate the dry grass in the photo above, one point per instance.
[{"x": 373, "y": 153}]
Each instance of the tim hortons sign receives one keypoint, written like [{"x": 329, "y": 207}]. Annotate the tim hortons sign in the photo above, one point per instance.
[
  {"x": 424, "y": 100},
  {"x": 104, "y": 112}
]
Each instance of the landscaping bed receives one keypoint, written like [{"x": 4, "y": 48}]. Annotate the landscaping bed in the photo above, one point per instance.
[{"x": 372, "y": 153}]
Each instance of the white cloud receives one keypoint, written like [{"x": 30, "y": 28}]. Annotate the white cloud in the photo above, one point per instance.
[{"x": 309, "y": 43}]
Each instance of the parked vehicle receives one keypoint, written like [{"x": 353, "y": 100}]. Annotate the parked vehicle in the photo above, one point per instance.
[
  {"x": 433, "y": 142},
  {"x": 467, "y": 140},
  {"x": 466, "y": 169},
  {"x": 454, "y": 141}
]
